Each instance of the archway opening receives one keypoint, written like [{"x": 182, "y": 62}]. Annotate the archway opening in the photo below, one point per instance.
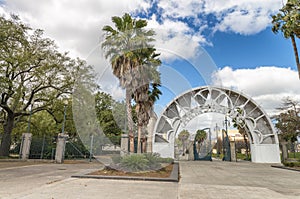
[{"x": 207, "y": 138}]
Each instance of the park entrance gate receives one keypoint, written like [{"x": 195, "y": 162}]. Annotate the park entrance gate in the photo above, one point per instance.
[{"x": 209, "y": 99}]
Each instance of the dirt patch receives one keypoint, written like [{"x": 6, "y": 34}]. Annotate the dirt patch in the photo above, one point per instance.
[{"x": 164, "y": 172}]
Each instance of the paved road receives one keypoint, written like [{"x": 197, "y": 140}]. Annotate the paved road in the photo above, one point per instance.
[
  {"x": 237, "y": 180},
  {"x": 198, "y": 180}
]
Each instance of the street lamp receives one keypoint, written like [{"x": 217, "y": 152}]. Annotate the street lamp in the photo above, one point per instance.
[{"x": 226, "y": 147}]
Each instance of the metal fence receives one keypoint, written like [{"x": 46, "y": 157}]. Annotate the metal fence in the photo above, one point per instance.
[{"x": 44, "y": 147}]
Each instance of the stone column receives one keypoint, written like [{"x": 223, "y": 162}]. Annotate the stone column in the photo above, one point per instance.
[
  {"x": 26, "y": 142},
  {"x": 60, "y": 148},
  {"x": 232, "y": 151},
  {"x": 191, "y": 151},
  {"x": 124, "y": 144},
  {"x": 150, "y": 130}
]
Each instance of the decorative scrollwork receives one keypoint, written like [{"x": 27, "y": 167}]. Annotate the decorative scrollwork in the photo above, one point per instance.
[{"x": 246, "y": 113}]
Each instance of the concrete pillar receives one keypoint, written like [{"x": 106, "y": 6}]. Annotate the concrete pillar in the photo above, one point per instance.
[
  {"x": 150, "y": 130},
  {"x": 191, "y": 151},
  {"x": 26, "y": 142},
  {"x": 60, "y": 148},
  {"x": 232, "y": 151},
  {"x": 265, "y": 153},
  {"x": 124, "y": 144}
]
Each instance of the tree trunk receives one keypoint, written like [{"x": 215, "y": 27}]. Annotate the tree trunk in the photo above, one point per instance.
[
  {"x": 144, "y": 141},
  {"x": 247, "y": 147},
  {"x": 140, "y": 127},
  {"x": 130, "y": 121},
  {"x": 6, "y": 139},
  {"x": 139, "y": 139},
  {"x": 199, "y": 147},
  {"x": 296, "y": 53}
]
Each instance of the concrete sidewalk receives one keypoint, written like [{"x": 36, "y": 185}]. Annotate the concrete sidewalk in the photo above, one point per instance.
[{"x": 198, "y": 180}]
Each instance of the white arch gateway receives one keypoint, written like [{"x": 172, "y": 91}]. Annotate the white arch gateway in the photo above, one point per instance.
[{"x": 248, "y": 114}]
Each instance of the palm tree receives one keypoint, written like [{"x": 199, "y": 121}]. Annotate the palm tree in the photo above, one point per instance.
[
  {"x": 288, "y": 22},
  {"x": 124, "y": 46},
  {"x": 183, "y": 136},
  {"x": 200, "y": 137},
  {"x": 144, "y": 95}
]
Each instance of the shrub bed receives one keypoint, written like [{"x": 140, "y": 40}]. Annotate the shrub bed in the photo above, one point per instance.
[{"x": 139, "y": 162}]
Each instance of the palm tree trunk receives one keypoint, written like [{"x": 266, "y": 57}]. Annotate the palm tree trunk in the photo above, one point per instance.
[
  {"x": 247, "y": 147},
  {"x": 130, "y": 121},
  {"x": 140, "y": 126},
  {"x": 139, "y": 148},
  {"x": 144, "y": 141},
  {"x": 296, "y": 53}
]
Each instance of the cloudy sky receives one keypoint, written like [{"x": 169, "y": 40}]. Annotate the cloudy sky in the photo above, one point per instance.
[{"x": 196, "y": 38}]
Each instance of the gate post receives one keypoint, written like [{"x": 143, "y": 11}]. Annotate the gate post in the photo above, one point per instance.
[
  {"x": 233, "y": 151},
  {"x": 265, "y": 153},
  {"x": 60, "y": 148},
  {"x": 26, "y": 142},
  {"x": 124, "y": 144}
]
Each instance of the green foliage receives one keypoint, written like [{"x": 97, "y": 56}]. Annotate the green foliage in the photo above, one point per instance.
[
  {"x": 288, "y": 120},
  {"x": 116, "y": 159},
  {"x": 294, "y": 155},
  {"x": 288, "y": 19},
  {"x": 183, "y": 135},
  {"x": 166, "y": 160},
  {"x": 141, "y": 162},
  {"x": 291, "y": 164},
  {"x": 108, "y": 118},
  {"x": 153, "y": 160},
  {"x": 200, "y": 136},
  {"x": 135, "y": 162},
  {"x": 134, "y": 62},
  {"x": 34, "y": 75}
]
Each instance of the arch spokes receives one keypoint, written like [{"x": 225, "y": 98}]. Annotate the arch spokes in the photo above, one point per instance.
[{"x": 245, "y": 111}]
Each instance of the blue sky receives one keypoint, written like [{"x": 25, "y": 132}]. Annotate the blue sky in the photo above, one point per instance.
[
  {"x": 241, "y": 48},
  {"x": 250, "y": 51}
]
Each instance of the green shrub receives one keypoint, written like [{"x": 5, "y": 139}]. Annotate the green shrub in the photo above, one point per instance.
[
  {"x": 166, "y": 160},
  {"x": 134, "y": 163},
  {"x": 153, "y": 160},
  {"x": 116, "y": 159},
  {"x": 291, "y": 164}
]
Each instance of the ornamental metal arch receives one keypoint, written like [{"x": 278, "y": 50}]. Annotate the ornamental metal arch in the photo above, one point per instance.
[{"x": 211, "y": 99}]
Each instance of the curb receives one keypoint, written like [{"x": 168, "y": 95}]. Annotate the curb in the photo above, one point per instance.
[
  {"x": 283, "y": 167},
  {"x": 174, "y": 177}
]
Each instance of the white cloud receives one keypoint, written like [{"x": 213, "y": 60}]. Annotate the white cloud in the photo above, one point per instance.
[
  {"x": 239, "y": 16},
  {"x": 244, "y": 23},
  {"x": 266, "y": 85},
  {"x": 176, "y": 38},
  {"x": 75, "y": 26},
  {"x": 180, "y": 8},
  {"x": 243, "y": 16}
]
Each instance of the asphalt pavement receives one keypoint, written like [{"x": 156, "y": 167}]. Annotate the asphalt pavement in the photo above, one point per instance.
[{"x": 199, "y": 179}]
